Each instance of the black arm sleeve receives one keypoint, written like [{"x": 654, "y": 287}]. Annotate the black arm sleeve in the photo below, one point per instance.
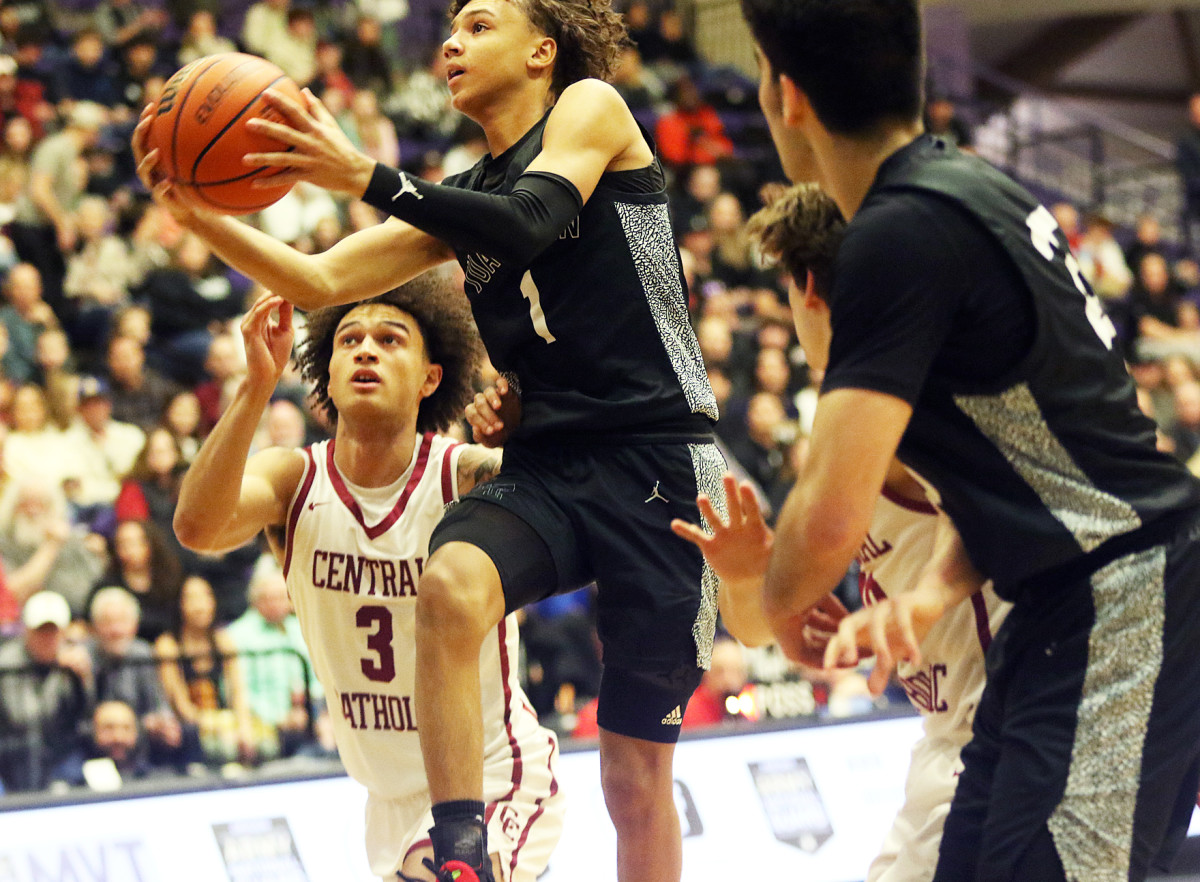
[{"x": 516, "y": 227}]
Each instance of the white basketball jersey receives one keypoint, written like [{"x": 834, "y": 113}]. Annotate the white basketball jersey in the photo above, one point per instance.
[
  {"x": 353, "y": 557},
  {"x": 947, "y": 685}
]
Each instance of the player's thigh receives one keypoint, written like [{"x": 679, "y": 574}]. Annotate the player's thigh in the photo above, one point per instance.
[
  {"x": 460, "y": 587},
  {"x": 656, "y": 603},
  {"x": 1042, "y": 686},
  {"x": 524, "y": 535},
  {"x": 1015, "y": 767}
]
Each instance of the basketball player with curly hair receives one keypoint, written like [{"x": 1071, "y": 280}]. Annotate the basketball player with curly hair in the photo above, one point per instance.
[
  {"x": 575, "y": 283},
  {"x": 350, "y": 521}
]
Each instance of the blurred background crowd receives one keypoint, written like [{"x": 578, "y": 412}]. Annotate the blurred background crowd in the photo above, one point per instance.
[{"x": 119, "y": 348}]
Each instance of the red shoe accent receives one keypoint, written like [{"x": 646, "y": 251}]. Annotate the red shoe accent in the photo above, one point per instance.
[{"x": 457, "y": 871}]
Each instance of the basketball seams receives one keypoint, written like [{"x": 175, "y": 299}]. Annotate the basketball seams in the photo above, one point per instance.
[
  {"x": 180, "y": 104},
  {"x": 229, "y": 125},
  {"x": 240, "y": 208},
  {"x": 223, "y": 90}
]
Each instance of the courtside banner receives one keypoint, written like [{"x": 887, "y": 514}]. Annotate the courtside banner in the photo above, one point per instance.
[
  {"x": 810, "y": 804},
  {"x": 805, "y": 803}
]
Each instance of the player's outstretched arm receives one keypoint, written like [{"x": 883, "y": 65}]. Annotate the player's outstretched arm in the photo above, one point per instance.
[
  {"x": 351, "y": 270},
  {"x": 225, "y": 500},
  {"x": 895, "y": 626},
  {"x": 826, "y": 515},
  {"x": 589, "y": 131}
]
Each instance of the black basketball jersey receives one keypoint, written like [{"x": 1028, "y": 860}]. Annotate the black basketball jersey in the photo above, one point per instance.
[
  {"x": 596, "y": 330},
  {"x": 1055, "y": 459}
]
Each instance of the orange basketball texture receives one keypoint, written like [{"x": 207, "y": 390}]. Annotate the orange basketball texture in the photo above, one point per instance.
[{"x": 199, "y": 128}]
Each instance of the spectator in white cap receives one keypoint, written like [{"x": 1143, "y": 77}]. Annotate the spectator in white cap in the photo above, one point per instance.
[{"x": 45, "y": 696}]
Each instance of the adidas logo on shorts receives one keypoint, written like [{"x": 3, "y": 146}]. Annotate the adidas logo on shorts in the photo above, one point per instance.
[{"x": 674, "y": 718}]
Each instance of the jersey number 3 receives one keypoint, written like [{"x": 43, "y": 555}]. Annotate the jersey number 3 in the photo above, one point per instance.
[
  {"x": 382, "y": 668},
  {"x": 1042, "y": 232}
]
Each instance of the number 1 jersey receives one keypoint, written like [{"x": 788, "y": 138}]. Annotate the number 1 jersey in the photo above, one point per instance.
[{"x": 595, "y": 330}]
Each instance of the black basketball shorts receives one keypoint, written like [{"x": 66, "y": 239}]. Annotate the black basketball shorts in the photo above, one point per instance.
[
  {"x": 559, "y": 517},
  {"x": 1084, "y": 759}
]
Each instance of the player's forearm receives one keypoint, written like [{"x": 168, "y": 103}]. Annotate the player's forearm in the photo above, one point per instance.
[
  {"x": 211, "y": 488},
  {"x": 815, "y": 541},
  {"x": 740, "y": 602},
  {"x": 364, "y": 264},
  {"x": 273, "y": 264},
  {"x": 514, "y": 227}
]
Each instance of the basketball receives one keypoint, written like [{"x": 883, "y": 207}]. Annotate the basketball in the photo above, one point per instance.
[{"x": 199, "y": 128}]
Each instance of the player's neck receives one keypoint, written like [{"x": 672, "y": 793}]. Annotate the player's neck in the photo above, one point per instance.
[
  {"x": 507, "y": 120},
  {"x": 374, "y": 458},
  {"x": 849, "y": 165}
]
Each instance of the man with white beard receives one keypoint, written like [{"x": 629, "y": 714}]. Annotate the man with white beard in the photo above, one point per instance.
[{"x": 38, "y": 547}]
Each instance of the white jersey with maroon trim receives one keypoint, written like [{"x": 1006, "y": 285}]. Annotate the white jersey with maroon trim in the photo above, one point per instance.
[
  {"x": 352, "y": 560},
  {"x": 946, "y": 686}
]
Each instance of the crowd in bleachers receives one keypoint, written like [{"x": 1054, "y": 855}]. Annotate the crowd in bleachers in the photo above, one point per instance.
[{"x": 119, "y": 347}]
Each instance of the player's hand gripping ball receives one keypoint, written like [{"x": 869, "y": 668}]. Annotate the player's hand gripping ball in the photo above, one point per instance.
[{"x": 199, "y": 128}]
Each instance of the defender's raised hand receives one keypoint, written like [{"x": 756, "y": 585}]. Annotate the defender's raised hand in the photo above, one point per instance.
[
  {"x": 268, "y": 339},
  {"x": 738, "y": 548}
]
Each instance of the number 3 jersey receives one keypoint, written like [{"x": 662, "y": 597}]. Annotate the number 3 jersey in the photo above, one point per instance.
[
  {"x": 947, "y": 684},
  {"x": 352, "y": 559}
]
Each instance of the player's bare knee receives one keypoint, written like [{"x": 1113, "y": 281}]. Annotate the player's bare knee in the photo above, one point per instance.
[
  {"x": 452, "y": 598},
  {"x": 636, "y": 786}
]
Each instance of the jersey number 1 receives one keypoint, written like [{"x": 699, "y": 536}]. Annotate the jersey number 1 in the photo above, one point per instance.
[{"x": 529, "y": 290}]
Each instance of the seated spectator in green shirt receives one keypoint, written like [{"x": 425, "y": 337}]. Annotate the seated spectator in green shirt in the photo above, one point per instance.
[{"x": 274, "y": 659}]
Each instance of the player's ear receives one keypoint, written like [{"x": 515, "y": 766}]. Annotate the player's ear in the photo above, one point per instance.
[
  {"x": 544, "y": 54},
  {"x": 794, "y": 104},
  {"x": 812, "y": 299},
  {"x": 433, "y": 378}
]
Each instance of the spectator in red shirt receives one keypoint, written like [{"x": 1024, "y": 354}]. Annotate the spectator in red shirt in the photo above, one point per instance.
[{"x": 692, "y": 133}]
